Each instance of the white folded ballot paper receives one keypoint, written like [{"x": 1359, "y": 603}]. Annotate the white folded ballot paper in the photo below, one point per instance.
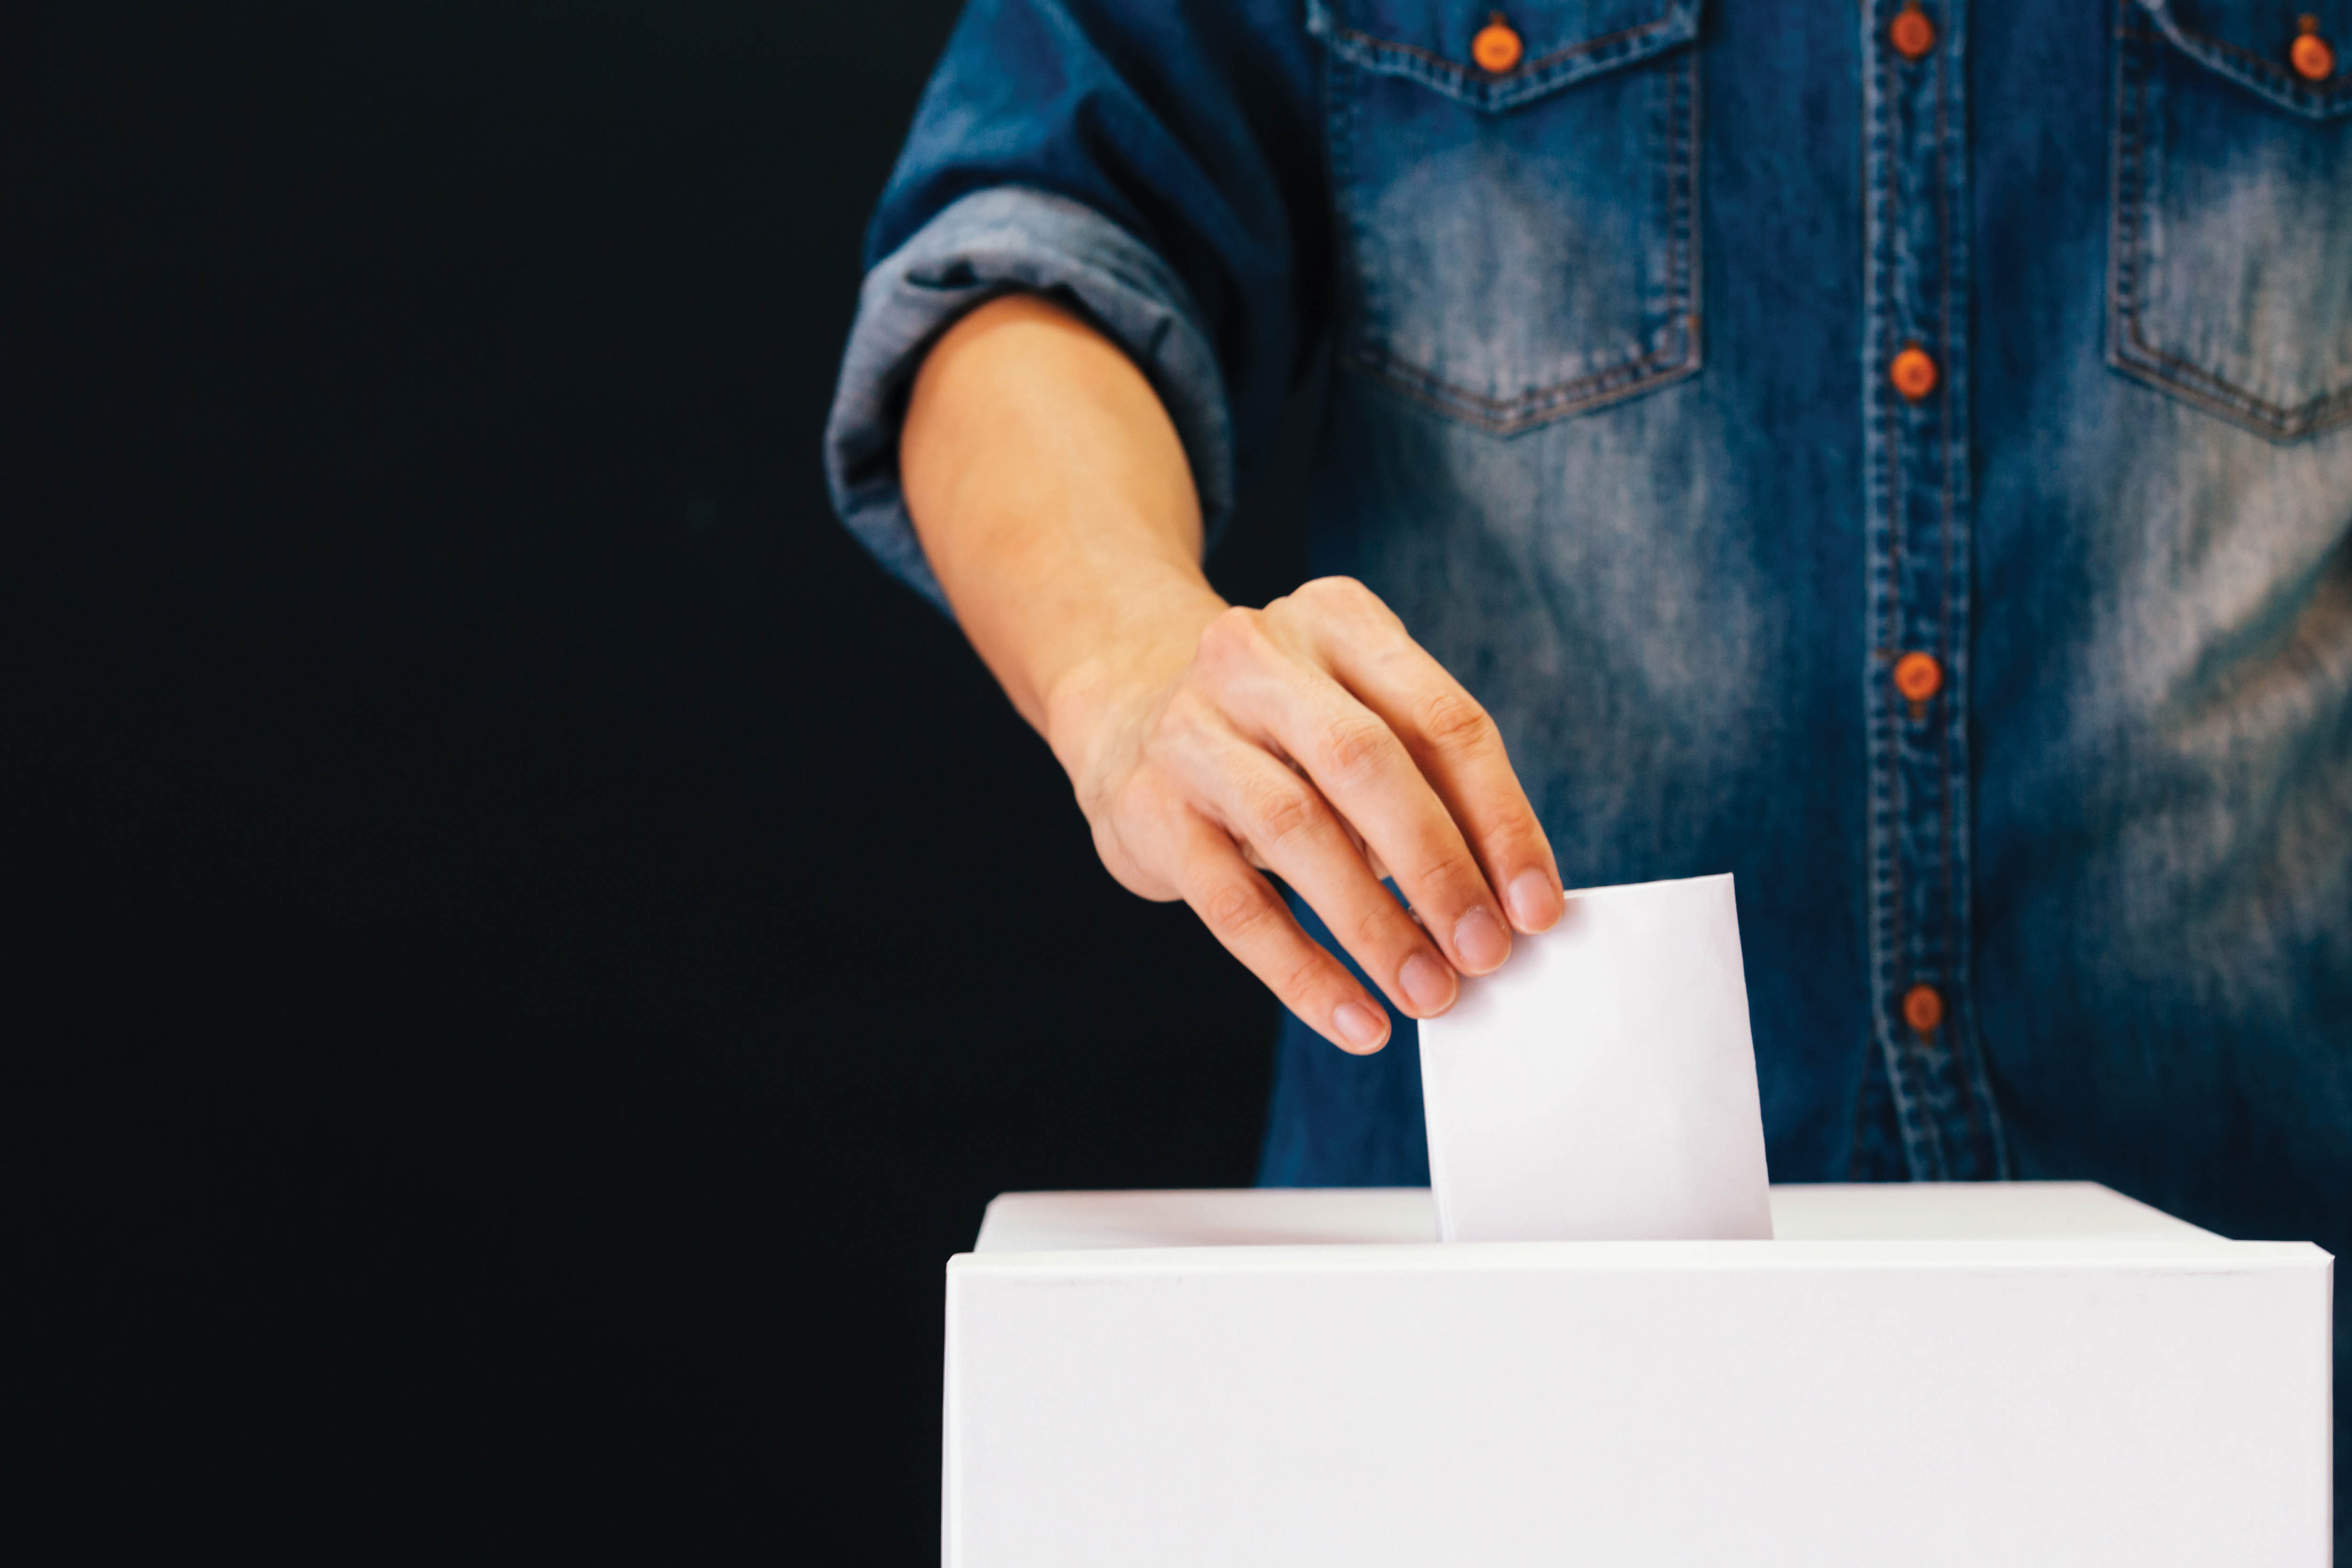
[{"x": 1601, "y": 1085}]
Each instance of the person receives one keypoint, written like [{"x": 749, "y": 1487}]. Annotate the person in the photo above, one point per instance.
[{"x": 1903, "y": 457}]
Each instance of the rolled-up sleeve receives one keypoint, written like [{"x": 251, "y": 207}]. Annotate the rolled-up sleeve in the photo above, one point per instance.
[
  {"x": 1151, "y": 167},
  {"x": 991, "y": 242}
]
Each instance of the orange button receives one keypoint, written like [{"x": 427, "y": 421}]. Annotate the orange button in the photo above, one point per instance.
[
  {"x": 1918, "y": 677},
  {"x": 1913, "y": 372},
  {"x": 1497, "y": 48},
  {"x": 1922, "y": 1008},
  {"x": 1911, "y": 33},
  {"x": 2312, "y": 59}
]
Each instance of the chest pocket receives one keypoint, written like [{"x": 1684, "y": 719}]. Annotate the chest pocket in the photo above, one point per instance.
[
  {"x": 2231, "y": 260},
  {"x": 1519, "y": 236}
]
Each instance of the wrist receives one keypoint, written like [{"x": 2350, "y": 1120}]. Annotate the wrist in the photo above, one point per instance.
[{"x": 1103, "y": 697}]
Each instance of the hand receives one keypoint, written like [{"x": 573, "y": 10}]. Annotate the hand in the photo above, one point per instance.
[
  {"x": 1316, "y": 740},
  {"x": 1313, "y": 738}
]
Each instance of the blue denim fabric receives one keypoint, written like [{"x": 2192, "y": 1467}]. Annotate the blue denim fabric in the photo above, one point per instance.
[{"x": 1613, "y": 431}]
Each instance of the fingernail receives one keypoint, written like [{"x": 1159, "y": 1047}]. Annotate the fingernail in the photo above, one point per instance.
[
  {"x": 1427, "y": 983},
  {"x": 1535, "y": 901},
  {"x": 1360, "y": 1025},
  {"x": 1481, "y": 941}
]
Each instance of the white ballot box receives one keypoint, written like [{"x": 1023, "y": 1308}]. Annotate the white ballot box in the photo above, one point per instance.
[{"x": 1923, "y": 1375}]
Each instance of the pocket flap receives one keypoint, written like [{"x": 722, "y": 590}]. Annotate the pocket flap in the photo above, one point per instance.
[
  {"x": 2249, "y": 41},
  {"x": 1561, "y": 41}
]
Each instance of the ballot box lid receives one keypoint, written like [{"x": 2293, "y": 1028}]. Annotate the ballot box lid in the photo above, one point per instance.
[{"x": 1294, "y": 1216}]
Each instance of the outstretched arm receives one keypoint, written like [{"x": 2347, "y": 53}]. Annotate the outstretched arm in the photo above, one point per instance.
[{"x": 1313, "y": 738}]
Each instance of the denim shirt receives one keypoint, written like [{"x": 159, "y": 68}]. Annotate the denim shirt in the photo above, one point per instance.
[{"x": 1913, "y": 472}]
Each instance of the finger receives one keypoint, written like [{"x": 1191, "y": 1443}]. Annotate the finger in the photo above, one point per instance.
[
  {"x": 1241, "y": 910},
  {"x": 1371, "y": 856},
  {"x": 1282, "y": 822},
  {"x": 1457, "y": 749},
  {"x": 1365, "y": 773}
]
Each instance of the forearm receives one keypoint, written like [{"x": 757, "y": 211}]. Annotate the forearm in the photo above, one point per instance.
[{"x": 1054, "y": 503}]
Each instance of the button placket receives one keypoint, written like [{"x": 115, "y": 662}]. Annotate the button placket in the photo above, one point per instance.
[
  {"x": 1911, "y": 33},
  {"x": 1915, "y": 406}
]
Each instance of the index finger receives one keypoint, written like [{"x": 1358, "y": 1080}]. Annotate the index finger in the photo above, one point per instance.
[{"x": 1459, "y": 751}]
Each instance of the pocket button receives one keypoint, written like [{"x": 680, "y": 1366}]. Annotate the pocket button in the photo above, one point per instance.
[
  {"x": 1497, "y": 48},
  {"x": 2313, "y": 57}
]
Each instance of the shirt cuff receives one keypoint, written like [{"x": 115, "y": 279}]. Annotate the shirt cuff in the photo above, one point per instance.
[{"x": 993, "y": 242}]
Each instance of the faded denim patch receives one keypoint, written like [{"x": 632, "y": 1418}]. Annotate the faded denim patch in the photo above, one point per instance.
[
  {"x": 1518, "y": 248},
  {"x": 2232, "y": 258}
]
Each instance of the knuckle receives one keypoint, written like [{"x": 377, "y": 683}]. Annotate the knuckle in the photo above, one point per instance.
[
  {"x": 1374, "y": 930},
  {"x": 1236, "y": 909},
  {"x": 1352, "y": 747},
  {"x": 1517, "y": 838},
  {"x": 1450, "y": 879},
  {"x": 1307, "y": 975},
  {"x": 1454, "y": 721},
  {"x": 1235, "y": 633},
  {"x": 1280, "y": 811},
  {"x": 1335, "y": 594}
]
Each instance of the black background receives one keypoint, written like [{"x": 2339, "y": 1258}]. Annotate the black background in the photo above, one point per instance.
[{"x": 530, "y": 950}]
